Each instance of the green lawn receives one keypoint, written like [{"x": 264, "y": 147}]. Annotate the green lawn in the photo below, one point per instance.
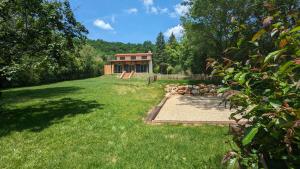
[{"x": 98, "y": 123}]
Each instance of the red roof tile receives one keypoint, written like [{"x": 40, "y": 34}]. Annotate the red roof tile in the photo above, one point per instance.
[{"x": 133, "y": 54}]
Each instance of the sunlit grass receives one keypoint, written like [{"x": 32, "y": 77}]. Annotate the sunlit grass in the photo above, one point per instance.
[{"x": 98, "y": 123}]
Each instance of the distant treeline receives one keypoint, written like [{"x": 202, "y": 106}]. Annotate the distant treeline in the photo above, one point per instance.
[
  {"x": 42, "y": 42},
  {"x": 109, "y": 49}
]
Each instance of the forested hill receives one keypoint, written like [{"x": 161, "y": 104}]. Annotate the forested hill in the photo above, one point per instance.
[{"x": 107, "y": 49}]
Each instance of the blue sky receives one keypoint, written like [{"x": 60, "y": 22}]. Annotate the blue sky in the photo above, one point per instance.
[{"x": 131, "y": 21}]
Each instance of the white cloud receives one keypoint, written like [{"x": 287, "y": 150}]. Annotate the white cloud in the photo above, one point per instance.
[
  {"x": 158, "y": 10},
  {"x": 163, "y": 10},
  {"x": 102, "y": 25},
  {"x": 132, "y": 11},
  {"x": 176, "y": 30},
  {"x": 153, "y": 10},
  {"x": 180, "y": 10},
  {"x": 148, "y": 2}
]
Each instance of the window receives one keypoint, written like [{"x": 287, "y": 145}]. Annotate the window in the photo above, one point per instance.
[
  {"x": 138, "y": 68},
  {"x": 133, "y": 57},
  {"x": 117, "y": 68},
  {"x": 144, "y": 68},
  {"x": 122, "y": 58},
  {"x": 141, "y": 68},
  {"x": 144, "y": 57}
]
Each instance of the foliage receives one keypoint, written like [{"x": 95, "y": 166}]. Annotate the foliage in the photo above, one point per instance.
[
  {"x": 92, "y": 63},
  {"x": 41, "y": 42},
  {"x": 172, "y": 52},
  {"x": 108, "y": 49},
  {"x": 170, "y": 69},
  {"x": 186, "y": 55},
  {"x": 159, "y": 57},
  {"x": 263, "y": 87},
  {"x": 173, "y": 56},
  {"x": 210, "y": 31}
]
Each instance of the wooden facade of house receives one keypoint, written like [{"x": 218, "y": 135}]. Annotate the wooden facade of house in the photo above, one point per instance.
[{"x": 130, "y": 62}]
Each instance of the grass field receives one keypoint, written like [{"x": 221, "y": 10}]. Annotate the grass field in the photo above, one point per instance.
[{"x": 98, "y": 123}]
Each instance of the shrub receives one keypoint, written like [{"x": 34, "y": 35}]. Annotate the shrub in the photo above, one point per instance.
[{"x": 264, "y": 91}]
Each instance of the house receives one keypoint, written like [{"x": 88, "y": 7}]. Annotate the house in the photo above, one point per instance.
[{"x": 130, "y": 63}]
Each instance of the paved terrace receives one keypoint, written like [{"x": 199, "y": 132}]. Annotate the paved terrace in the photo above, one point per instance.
[{"x": 182, "y": 108}]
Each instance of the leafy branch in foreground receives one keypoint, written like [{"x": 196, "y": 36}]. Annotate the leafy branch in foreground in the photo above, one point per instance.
[{"x": 267, "y": 103}]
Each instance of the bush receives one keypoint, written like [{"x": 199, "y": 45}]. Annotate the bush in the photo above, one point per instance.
[
  {"x": 178, "y": 69},
  {"x": 264, "y": 91},
  {"x": 170, "y": 69}
]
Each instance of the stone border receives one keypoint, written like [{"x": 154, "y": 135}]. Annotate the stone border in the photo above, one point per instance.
[{"x": 154, "y": 111}]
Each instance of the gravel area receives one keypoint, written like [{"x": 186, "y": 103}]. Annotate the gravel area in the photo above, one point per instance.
[{"x": 193, "y": 109}]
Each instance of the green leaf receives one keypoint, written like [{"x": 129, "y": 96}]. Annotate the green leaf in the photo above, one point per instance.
[
  {"x": 242, "y": 78},
  {"x": 258, "y": 34},
  {"x": 230, "y": 70},
  {"x": 295, "y": 29},
  {"x": 223, "y": 89},
  {"x": 274, "y": 54},
  {"x": 233, "y": 164},
  {"x": 240, "y": 42},
  {"x": 285, "y": 90},
  {"x": 285, "y": 66},
  {"x": 275, "y": 103},
  {"x": 249, "y": 136},
  {"x": 237, "y": 76}
]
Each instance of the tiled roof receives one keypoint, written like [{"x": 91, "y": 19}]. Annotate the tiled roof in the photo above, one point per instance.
[
  {"x": 133, "y": 54},
  {"x": 137, "y": 60}
]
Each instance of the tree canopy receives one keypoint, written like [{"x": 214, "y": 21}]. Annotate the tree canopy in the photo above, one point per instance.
[{"x": 38, "y": 38}]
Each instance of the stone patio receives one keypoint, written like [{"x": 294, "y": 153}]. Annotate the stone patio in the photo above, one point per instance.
[{"x": 198, "y": 109}]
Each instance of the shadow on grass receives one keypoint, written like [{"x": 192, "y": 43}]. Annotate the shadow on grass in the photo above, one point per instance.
[
  {"x": 14, "y": 95},
  {"x": 40, "y": 116}
]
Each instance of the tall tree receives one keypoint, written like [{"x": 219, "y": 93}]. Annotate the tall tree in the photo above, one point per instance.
[
  {"x": 148, "y": 46},
  {"x": 186, "y": 54},
  {"x": 159, "y": 56},
  {"x": 172, "y": 52},
  {"x": 209, "y": 26},
  {"x": 37, "y": 33},
  {"x": 172, "y": 39}
]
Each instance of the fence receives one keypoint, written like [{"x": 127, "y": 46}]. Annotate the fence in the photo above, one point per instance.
[
  {"x": 185, "y": 77},
  {"x": 151, "y": 79},
  {"x": 203, "y": 77}
]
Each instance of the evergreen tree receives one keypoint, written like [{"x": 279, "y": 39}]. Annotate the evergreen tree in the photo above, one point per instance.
[
  {"x": 159, "y": 56},
  {"x": 172, "y": 40},
  {"x": 172, "y": 52}
]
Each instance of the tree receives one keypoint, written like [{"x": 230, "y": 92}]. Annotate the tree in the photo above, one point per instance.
[
  {"x": 108, "y": 49},
  {"x": 159, "y": 57},
  {"x": 36, "y": 34},
  {"x": 209, "y": 27},
  {"x": 186, "y": 55},
  {"x": 172, "y": 52},
  {"x": 148, "y": 46},
  {"x": 91, "y": 62},
  {"x": 172, "y": 39}
]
